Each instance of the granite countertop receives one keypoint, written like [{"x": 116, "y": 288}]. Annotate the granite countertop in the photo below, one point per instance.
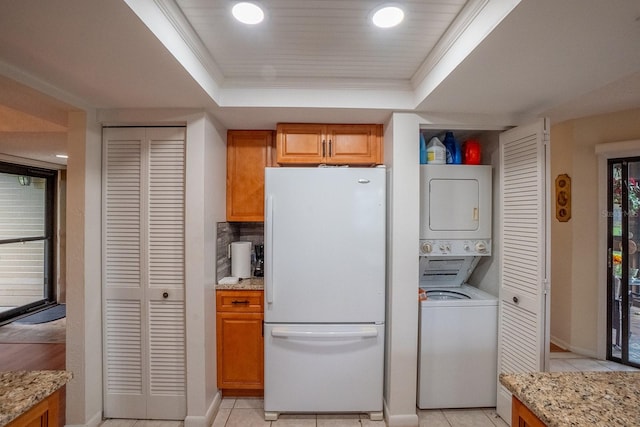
[
  {"x": 603, "y": 399},
  {"x": 21, "y": 390},
  {"x": 251, "y": 284}
]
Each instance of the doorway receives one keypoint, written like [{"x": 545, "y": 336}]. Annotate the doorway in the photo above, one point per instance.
[{"x": 623, "y": 280}]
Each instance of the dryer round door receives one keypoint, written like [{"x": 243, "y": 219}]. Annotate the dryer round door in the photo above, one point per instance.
[{"x": 444, "y": 295}]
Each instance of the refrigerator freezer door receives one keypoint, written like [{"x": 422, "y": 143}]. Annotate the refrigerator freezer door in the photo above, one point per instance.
[
  {"x": 323, "y": 368},
  {"x": 325, "y": 245}
]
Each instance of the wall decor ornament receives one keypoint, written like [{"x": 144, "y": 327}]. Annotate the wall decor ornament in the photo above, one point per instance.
[{"x": 563, "y": 197}]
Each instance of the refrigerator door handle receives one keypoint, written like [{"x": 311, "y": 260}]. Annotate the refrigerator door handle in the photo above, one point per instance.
[
  {"x": 268, "y": 288},
  {"x": 366, "y": 332}
]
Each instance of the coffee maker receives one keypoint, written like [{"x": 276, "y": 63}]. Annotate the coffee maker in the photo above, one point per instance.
[{"x": 259, "y": 267}]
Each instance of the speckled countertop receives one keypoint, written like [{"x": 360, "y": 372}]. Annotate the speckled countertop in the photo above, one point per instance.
[
  {"x": 251, "y": 284},
  {"x": 20, "y": 390},
  {"x": 603, "y": 399}
]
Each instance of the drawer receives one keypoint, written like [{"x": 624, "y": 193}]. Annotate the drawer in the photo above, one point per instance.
[{"x": 239, "y": 301}]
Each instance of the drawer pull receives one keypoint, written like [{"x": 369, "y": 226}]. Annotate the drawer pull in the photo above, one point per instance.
[{"x": 236, "y": 302}]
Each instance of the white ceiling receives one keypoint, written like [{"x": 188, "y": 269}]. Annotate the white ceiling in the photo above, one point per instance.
[
  {"x": 500, "y": 61},
  {"x": 319, "y": 40}
]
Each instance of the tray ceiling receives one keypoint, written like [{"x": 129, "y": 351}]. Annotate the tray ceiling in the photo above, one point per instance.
[
  {"x": 474, "y": 61},
  {"x": 320, "y": 39}
]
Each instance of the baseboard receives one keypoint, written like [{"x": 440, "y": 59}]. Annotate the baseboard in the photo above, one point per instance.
[
  {"x": 94, "y": 421},
  {"x": 574, "y": 349},
  {"x": 583, "y": 352},
  {"x": 402, "y": 420},
  {"x": 210, "y": 415},
  {"x": 560, "y": 343}
]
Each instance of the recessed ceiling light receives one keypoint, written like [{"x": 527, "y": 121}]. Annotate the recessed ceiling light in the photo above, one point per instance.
[
  {"x": 248, "y": 13},
  {"x": 387, "y": 16}
]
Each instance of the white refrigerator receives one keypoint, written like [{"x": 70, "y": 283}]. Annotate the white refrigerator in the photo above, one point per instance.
[{"x": 324, "y": 290}]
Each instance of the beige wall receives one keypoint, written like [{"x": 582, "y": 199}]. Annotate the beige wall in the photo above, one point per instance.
[{"x": 574, "y": 244}]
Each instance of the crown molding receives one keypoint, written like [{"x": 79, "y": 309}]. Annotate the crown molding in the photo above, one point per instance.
[
  {"x": 181, "y": 25},
  {"x": 460, "y": 24}
]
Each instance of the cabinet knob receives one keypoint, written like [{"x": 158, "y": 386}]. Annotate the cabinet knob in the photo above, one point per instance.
[{"x": 165, "y": 295}]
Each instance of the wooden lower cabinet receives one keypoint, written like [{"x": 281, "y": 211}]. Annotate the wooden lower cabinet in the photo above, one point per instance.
[
  {"x": 43, "y": 414},
  {"x": 521, "y": 416},
  {"x": 240, "y": 342}
]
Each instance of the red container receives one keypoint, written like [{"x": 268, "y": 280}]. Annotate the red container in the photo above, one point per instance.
[{"x": 471, "y": 152}]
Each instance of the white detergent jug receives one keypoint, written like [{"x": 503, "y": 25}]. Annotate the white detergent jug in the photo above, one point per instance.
[{"x": 436, "y": 152}]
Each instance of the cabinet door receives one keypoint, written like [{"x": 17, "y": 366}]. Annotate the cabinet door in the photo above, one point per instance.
[
  {"x": 354, "y": 144},
  {"x": 248, "y": 153},
  {"x": 521, "y": 416},
  {"x": 240, "y": 351},
  {"x": 43, "y": 414},
  {"x": 301, "y": 143}
]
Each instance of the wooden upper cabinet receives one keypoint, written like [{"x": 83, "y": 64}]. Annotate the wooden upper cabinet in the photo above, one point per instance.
[
  {"x": 302, "y": 143},
  {"x": 248, "y": 153}
]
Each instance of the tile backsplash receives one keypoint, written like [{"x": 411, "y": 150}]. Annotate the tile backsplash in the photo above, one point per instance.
[{"x": 231, "y": 232}]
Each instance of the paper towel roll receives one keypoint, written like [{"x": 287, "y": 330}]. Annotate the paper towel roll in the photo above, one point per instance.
[{"x": 241, "y": 259}]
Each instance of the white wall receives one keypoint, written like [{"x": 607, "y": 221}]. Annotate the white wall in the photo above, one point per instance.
[
  {"x": 205, "y": 200},
  {"x": 401, "y": 361},
  {"x": 205, "y": 205},
  {"x": 215, "y": 211},
  {"x": 84, "y": 312}
]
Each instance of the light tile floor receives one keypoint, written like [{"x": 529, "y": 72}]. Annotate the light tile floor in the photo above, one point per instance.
[
  {"x": 571, "y": 362},
  {"x": 141, "y": 423},
  {"x": 248, "y": 412}
]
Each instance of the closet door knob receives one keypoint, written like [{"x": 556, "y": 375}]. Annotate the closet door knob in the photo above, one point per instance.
[
  {"x": 515, "y": 300},
  {"x": 165, "y": 295}
]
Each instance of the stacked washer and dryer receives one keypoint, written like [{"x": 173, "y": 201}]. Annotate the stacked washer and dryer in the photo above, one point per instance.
[{"x": 458, "y": 342}]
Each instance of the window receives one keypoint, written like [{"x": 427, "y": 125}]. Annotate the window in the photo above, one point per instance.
[{"x": 26, "y": 239}]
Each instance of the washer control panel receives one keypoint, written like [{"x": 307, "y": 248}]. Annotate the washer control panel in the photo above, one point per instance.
[{"x": 455, "y": 247}]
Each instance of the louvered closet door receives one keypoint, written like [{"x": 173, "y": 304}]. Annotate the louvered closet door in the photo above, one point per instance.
[
  {"x": 523, "y": 338},
  {"x": 143, "y": 277}
]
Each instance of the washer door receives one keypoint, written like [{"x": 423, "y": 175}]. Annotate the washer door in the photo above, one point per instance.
[{"x": 443, "y": 295}]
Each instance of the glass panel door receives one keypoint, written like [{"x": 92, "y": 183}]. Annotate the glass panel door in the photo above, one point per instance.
[
  {"x": 623, "y": 282},
  {"x": 26, "y": 235}
]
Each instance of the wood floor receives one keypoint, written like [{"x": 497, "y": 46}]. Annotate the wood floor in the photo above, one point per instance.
[
  {"x": 556, "y": 349},
  {"x": 15, "y": 356}
]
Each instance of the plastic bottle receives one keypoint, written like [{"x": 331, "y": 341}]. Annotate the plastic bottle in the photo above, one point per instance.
[
  {"x": 450, "y": 146},
  {"x": 457, "y": 158},
  {"x": 436, "y": 152},
  {"x": 423, "y": 150},
  {"x": 471, "y": 152}
]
